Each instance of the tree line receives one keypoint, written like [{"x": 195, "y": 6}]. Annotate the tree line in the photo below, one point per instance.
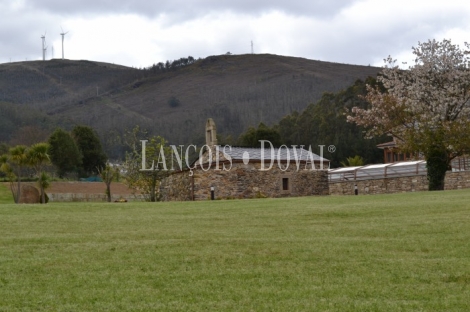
[
  {"x": 78, "y": 152},
  {"x": 323, "y": 123},
  {"x": 162, "y": 67}
]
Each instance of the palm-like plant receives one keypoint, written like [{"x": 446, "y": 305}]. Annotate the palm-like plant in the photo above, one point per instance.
[
  {"x": 38, "y": 156},
  {"x": 4, "y": 167},
  {"x": 353, "y": 161},
  {"x": 44, "y": 183},
  {"x": 19, "y": 160}
]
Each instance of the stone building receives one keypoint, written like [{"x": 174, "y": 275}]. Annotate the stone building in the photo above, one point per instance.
[{"x": 237, "y": 172}]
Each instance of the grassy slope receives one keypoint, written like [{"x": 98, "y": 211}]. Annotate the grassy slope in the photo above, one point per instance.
[{"x": 366, "y": 253}]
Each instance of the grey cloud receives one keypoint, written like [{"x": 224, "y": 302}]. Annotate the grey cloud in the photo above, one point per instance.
[
  {"x": 335, "y": 37},
  {"x": 190, "y": 9},
  {"x": 371, "y": 47},
  {"x": 20, "y": 38}
]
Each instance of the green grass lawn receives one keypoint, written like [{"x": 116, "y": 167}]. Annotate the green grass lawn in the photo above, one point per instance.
[
  {"x": 5, "y": 194},
  {"x": 401, "y": 252}
]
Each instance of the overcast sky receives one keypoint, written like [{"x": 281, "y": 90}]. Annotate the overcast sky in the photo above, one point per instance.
[{"x": 140, "y": 33}]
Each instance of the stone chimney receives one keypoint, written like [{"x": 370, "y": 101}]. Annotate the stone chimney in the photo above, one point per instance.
[{"x": 211, "y": 133}]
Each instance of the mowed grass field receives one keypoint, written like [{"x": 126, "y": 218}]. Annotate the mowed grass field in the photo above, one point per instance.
[
  {"x": 5, "y": 194},
  {"x": 401, "y": 252}
]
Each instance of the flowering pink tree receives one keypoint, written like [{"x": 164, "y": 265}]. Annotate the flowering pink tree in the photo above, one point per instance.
[{"x": 426, "y": 107}]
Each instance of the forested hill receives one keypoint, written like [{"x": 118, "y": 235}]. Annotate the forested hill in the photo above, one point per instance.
[
  {"x": 172, "y": 100},
  {"x": 325, "y": 123}
]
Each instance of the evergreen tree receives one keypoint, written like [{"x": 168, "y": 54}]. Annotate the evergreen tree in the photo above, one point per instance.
[
  {"x": 63, "y": 152},
  {"x": 325, "y": 123},
  {"x": 91, "y": 149},
  {"x": 252, "y": 136}
]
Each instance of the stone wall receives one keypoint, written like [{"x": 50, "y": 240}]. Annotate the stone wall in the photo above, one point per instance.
[
  {"x": 177, "y": 187},
  {"x": 74, "y": 191},
  {"x": 244, "y": 181},
  {"x": 457, "y": 180},
  {"x": 86, "y": 197},
  {"x": 453, "y": 181}
]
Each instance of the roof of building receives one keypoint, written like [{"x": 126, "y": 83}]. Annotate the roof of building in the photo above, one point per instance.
[
  {"x": 387, "y": 144},
  {"x": 378, "y": 171},
  {"x": 283, "y": 154}
]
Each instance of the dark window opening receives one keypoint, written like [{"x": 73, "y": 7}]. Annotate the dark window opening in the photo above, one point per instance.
[{"x": 285, "y": 184}]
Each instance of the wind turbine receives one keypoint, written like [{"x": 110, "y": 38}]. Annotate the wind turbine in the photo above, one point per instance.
[
  {"x": 63, "y": 34},
  {"x": 44, "y": 48}
]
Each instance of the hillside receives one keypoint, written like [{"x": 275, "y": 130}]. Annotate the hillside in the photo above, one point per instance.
[{"x": 237, "y": 91}]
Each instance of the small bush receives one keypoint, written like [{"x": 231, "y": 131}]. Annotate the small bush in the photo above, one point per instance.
[
  {"x": 260, "y": 195},
  {"x": 174, "y": 102}
]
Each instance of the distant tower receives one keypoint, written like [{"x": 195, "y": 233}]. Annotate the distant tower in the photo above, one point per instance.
[
  {"x": 211, "y": 133},
  {"x": 251, "y": 46},
  {"x": 63, "y": 34},
  {"x": 44, "y": 48}
]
